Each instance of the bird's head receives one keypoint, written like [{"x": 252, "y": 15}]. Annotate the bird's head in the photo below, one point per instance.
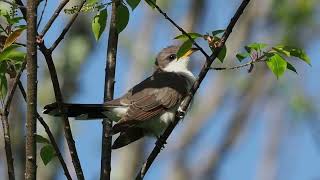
[{"x": 167, "y": 59}]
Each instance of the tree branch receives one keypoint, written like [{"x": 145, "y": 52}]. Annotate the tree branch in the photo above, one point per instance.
[
  {"x": 54, "y": 17},
  {"x": 42, "y": 12},
  {"x": 59, "y": 99},
  {"x": 108, "y": 93},
  {"x": 50, "y": 135},
  {"x": 58, "y": 95},
  {"x": 31, "y": 123},
  {"x": 187, "y": 100},
  {"x": 68, "y": 26},
  {"x": 179, "y": 28},
  {"x": 7, "y": 145}
]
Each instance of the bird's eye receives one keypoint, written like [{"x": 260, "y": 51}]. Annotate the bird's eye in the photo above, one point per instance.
[{"x": 172, "y": 57}]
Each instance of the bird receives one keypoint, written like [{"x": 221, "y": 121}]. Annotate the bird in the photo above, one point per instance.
[{"x": 148, "y": 107}]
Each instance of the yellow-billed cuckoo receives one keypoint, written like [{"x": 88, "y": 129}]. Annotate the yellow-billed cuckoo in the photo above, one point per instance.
[{"x": 148, "y": 107}]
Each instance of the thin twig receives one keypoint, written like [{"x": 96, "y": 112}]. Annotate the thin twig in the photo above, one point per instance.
[
  {"x": 42, "y": 12},
  {"x": 13, "y": 88},
  {"x": 59, "y": 99},
  {"x": 108, "y": 93},
  {"x": 23, "y": 10},
  {"x": 53, "y": 17},
  {"x": 31, "y": 122},
  {"x": 13, "y": 4},
  {"x": 179, "y": 28},
  {"x": 50, "y": 135},
  {"x": 68, "y": 26},
  {"x": 7, "y": 145},
  {"x": 259, "y": 59},
  {"x": 179, "y": 114}
]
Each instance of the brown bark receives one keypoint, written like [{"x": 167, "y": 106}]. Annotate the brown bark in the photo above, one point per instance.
[
  {"x": 31, "y": 125},
  {"x": 108, "y": 93}
]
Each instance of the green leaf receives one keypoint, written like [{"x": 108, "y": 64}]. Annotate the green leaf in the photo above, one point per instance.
[
  {"x": 47, "y": 153},
  {"x": 185, "y": 37},
  {"x": 296, "y": 52},
  {"x": 184, "y": 48},
  {"x": 291, "y": 67},
  {"x": 257, "y": 46},
  {"x": 41, "y": 139},
  {"x": 281, "y": 51},
  {"x": 216, "y": 32},
  {"x": 277, "y": 65},
  {"x": 3, "y": 85},
  {"x": 10, "y": 53},
  {"x": 133, "y": 3},
  {"x": 222, "y": 54},
  {"x": 150, "y": 4},
  {"x": 99, "y": 23},
  {"x": 123, "y": 17},
  {"x": 242, "y": 56}
]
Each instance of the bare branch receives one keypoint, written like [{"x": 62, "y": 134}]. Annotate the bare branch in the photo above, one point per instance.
[
  {"x": 59, "y": 99},
  {"x": 50, "y": 135},
  {"x": 7, "y": 145},
  {"x": 42, "y": 12},
  {"x": 68, "y": 26},
  {"x": 108, "y": 93},
  {"x": 259, "y": 59},
  {"x": 31, "y": 122},
  {"x": 179, "y": 28},
  {"x": 53, "y": 17},
  {"x": 187, "y": 100}
]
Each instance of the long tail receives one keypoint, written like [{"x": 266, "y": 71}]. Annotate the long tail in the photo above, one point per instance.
[{"x": 80, "y": 111}]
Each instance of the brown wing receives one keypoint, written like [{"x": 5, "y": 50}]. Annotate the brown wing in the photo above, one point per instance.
[{"x": 151, "y": 98}]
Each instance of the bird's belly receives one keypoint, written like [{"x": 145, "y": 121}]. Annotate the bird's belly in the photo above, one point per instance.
[
  {"x": 116, "y": 113},
  {"x": 156, "y": 126}
]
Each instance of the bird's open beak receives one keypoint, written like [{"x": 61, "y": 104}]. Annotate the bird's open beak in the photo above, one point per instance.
[{"x": 191, "y": 51}]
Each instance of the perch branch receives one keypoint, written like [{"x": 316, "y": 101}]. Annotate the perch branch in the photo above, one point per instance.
[{"x": 187, "y": 100}]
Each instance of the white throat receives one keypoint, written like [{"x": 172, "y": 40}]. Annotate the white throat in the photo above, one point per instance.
[{"x": 180, "y": 66}]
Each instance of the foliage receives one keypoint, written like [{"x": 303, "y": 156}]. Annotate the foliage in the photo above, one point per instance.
[
  {"x": 256, "y": 51},
  {"x": 47, "y": 152},
  {"x": 100, "y": 8},
  {"x": 11, "y": 54}
]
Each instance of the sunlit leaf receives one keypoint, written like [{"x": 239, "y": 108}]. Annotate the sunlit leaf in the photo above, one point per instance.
[
  {"x": 13, "y": 37},
  {"x": 99, "y": 23},
  {"x": 277, "y": 65},
  {"x": 47, "y": 153},
  {"x": 185, "y": 37},
  {"x": 41, "y": 139},
  {"x": 133, "y": 3},
  {"x": 257, "y": 46},
  {"x": 296, "y": 52},
  {"x": 123, "y": 17},
  {"x": 184, "y": 48}
]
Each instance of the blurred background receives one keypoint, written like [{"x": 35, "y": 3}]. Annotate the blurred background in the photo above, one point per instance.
[{"x": 242, "y": 125}]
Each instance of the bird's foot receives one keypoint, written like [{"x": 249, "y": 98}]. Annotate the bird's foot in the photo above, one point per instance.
[{"x": 181, "y": 113}]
